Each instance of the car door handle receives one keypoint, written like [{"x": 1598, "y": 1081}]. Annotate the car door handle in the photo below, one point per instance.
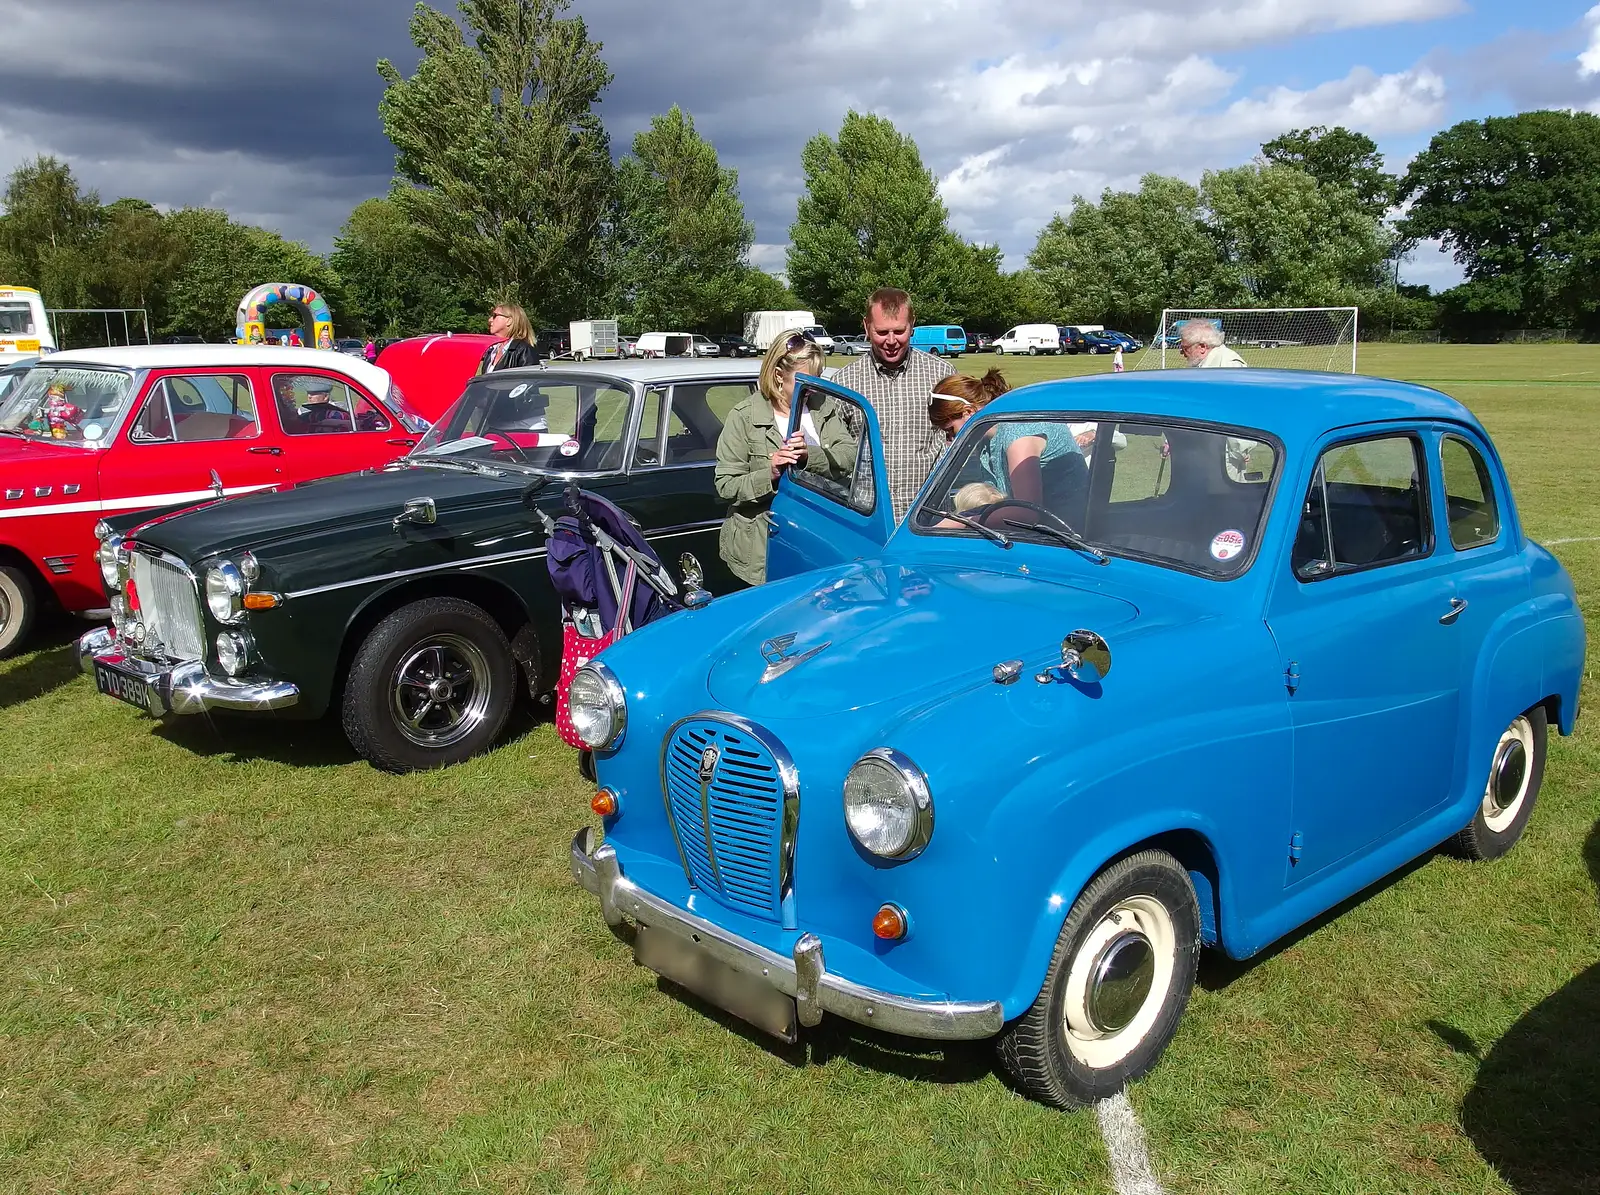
[
  {"x": 1457, "y": 605},
  {"x": 402, "y": 442},
  {"x": 267, "y": 450}
]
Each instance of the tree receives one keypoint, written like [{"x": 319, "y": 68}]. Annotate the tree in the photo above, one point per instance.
[
  {"x": 138, "y": 256},
  {"x": 1337, "y": 157},
  {"x": 222, "y": 261},
  {"x": 682, "y": 236},
  {"x": 1123, "y": 260},
  {"x": 393, "y": 285},
  {"x": 1516, "y": 199},
  {"x": 1287, "y": 241},
  {"x": 49, "y": 232},
  {"x": 505, "y": 168},
  {"x": 871, "y": 216}
]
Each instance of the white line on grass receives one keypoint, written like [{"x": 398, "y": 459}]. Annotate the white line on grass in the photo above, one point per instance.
[
  {"x": 1577, "y": 539},
  {"x": 1130, "y": 1159}
]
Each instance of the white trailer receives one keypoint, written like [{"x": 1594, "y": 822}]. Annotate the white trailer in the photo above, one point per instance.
[
  {"x": 761, "y": 328},
  {"x": 594, "y": 339}
]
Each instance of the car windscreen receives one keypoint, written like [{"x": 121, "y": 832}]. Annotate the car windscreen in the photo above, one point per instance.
[
  {"x": 1184, "y": 495},
  {"x": 70, "y": 404},
  {"x": 545, "y": 421}
]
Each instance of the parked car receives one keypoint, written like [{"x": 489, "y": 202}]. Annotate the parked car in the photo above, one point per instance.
[
  {"x": 1072, "y": 340},
  {"x": 1032, "y": 339},
  {"x": 737, "y": 346},
  {"x": 1100, "y": 342},
  {"x": 666, "y": 344},
  {"x": 947, "y": 340},
  {"x": 704, "y": 346},
  {"x": 820, "y": 335},
  {"x": 93, "y": 431},
  {"x": 553, "y": 342},
  {"x": 980, "y": 342},
  {"x": 851, "y": 346},
  {"x": 946, "y": 780},
  {"x": 1130, "y": 344},
  {"x": 409, "y": 598},
  {"x": 431, "y": 371},
  {"x": 352, "y": 346}
]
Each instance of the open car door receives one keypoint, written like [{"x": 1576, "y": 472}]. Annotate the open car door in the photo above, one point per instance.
[{"x": 837, "y": 507}]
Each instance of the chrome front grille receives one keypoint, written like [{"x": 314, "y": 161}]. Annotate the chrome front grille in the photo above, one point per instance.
[
  {"x": 733, "y": 799},
  {"x": 169, "y": 608}
]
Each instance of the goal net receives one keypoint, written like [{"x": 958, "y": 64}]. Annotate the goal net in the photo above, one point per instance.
[{"x": 1266, "y": 337}]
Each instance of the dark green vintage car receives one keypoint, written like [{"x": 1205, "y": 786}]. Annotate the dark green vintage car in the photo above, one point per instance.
[{"x": 411, "y": 596}]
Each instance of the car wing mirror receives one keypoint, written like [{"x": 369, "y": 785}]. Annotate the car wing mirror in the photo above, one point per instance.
[
  {"x": 418, "y": 512},
  {"x": 1085, "y": 658},
  {"x": 694, "y": 590}
]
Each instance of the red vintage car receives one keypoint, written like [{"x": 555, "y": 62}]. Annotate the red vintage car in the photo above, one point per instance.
[
  {"x": 432, "y": 371},
  {"x": 112, "y": 430}
]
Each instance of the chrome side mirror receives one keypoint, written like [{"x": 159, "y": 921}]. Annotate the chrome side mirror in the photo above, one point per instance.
[
  {"x": 419, "y": 512},
  {"x": 1085, "y": 658},
  {"x": 694, "y": 591}
]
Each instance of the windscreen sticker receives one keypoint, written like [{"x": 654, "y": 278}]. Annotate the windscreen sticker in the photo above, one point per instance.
[
  {"x": 92, "y": 431},
  {"x": 570, "y": 447},
  {"x": 519, "y": 390},
  {"x": 1225, "y": 545}
]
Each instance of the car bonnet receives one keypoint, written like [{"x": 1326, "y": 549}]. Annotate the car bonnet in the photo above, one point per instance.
[{"x": 877, "y": 633}]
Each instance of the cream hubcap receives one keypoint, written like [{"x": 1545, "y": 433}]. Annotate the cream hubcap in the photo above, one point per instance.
[
  {"x": 1119, "y": 981},
  {"x": 1509, "y": 776}
]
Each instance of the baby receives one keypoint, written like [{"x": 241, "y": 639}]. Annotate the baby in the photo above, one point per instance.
[{"x": 975, "y": 494}]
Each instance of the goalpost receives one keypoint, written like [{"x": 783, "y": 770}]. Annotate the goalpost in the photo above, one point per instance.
[{"x": 1322, "y": 338}]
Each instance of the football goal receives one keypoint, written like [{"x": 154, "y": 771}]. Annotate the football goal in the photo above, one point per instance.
[{"x": 1266, "y": 337}]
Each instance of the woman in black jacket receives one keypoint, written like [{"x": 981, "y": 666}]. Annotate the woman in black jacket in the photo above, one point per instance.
[{"x": 511, "y": 322}]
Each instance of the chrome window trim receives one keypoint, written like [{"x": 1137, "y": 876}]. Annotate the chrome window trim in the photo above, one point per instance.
[
  {"x": 637, "y": 417},
  {"x": 197, "y": 372},
  {"x": 788, "y": 776},
  {"x": 1485, "y": 474}
]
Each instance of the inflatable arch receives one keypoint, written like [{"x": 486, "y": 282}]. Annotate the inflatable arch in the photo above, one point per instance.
[{"x": 316, "y": 321}]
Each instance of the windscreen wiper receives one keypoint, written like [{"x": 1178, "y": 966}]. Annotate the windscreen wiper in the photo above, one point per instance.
[
  {"x": 1071, "y": 538},
  {"x": 445, "y": 462},
  {"x": 999, "y": 537}
]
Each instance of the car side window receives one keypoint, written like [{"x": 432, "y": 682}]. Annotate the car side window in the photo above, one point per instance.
[
  {"x": 696, "y": 416},
  {"x": 197, "y": 408},
  {"x": 647, "y": 450},
  {"x": 317, "y": 405},
  {"x": 839, "y": 465},
  {"x": 1366, "y": 506},
  {"x": 1470, "y": 507}
]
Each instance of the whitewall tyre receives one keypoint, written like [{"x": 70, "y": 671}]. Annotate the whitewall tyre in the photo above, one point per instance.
[
  {"x": 1117, "y": 985},
  {"x": 18, "y": 606},
  {"x": 1516, "y": 770}
]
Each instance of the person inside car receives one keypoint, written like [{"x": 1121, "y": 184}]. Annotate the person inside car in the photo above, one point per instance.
[{"x": 1039, "y": 463}]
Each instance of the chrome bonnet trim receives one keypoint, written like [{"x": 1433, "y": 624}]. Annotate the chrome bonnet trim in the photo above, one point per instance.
[{"x": 804, "y": 975}]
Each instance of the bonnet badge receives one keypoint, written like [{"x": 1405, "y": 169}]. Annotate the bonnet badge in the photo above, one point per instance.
[
  {"x": 708, "y": 763},
  {"x": 775, "y": 652}
]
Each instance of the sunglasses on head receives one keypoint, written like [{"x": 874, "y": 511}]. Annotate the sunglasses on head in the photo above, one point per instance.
[{"x": 798, "y": 340}]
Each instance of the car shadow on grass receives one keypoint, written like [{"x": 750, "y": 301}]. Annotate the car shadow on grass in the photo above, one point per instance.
[
  {"x": 45, "y": 672},
  {"x": 240, "y": 738},
  {"x": 1217, "y": 970},
  {"x": 1532, "y": 1110}
]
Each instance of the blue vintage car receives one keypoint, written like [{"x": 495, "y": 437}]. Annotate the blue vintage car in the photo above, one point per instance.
[{"x": 1004, "y": 769}]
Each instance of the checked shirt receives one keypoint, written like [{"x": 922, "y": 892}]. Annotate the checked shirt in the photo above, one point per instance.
[{"x": 899, "y": 398}]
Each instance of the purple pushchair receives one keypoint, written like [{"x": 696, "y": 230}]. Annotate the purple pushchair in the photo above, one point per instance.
[{"x": 610, "y": 582}]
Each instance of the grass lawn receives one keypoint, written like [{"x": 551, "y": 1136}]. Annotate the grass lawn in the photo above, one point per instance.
[{"x": 240, "y": 960}]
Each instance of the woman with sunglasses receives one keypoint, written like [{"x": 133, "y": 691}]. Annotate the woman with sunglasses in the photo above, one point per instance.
[
  {"x": 754, "y": 450},
  {"x": 515, "y": 346},
  {"x": 1032, "y": 462}
]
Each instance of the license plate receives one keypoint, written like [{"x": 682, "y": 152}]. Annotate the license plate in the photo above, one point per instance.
[
  {"x": 746, "y": 997},
  {"x": 124, "y": 686}
]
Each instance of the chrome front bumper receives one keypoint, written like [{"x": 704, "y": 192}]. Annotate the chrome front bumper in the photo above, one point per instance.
[
  {"x": 803, "y": 975},
  {"x": 184, "y": 688}
]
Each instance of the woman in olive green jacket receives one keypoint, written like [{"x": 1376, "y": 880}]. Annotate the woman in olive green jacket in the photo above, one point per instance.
[{"x": 752, "y": 452}]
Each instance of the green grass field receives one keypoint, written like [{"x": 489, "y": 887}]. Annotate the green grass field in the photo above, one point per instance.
[{"x": 239, "y": 960}]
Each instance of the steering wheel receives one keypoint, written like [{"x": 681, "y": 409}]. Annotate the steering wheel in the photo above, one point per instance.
[{"x": 989, "y": 512}]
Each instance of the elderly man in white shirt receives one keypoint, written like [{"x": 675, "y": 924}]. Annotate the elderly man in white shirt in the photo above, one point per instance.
[{"x": 1202, "y": 344}]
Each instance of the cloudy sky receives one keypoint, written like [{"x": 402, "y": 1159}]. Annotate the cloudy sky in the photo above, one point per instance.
[{"x": 270, "y": 109}]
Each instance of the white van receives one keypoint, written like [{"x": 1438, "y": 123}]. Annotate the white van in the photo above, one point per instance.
[
  {"x": 24, "y": 329},
  {"x": 665, "y": 344},
  {"x": 761, "y": 328},
  {"x": 1032, "y": 339}
]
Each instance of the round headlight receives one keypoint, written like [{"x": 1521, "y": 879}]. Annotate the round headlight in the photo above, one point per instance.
[
  {"x": 225, "y": 593},
  {"x": 598, "y": 707},
  {"x": 106, "y": 556},
  {"x": 233, "y": 652},
  {"x": 102, "y": 530},
  {"x": 887, "y": 805}
]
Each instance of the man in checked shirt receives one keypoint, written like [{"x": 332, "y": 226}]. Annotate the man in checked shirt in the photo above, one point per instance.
[{"x": 898, "y": 380}]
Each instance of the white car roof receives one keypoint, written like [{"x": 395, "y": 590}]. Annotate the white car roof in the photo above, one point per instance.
[{"x": 214, "y": 356}]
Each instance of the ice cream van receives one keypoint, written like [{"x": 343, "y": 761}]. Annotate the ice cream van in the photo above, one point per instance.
[{"x": 24, "y": 330}]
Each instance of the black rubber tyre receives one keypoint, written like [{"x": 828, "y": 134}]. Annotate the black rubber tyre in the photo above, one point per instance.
[
  {"x": 1510, "y": 792},
  {"x": 1033, "y": 350},
  {"x": 19, "y": 603},
  {"x": 1136, "y": 927},
  {"x": 432, "y": 685}
]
